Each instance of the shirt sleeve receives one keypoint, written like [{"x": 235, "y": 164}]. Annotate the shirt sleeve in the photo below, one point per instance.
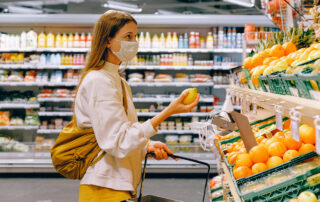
[{"x": 115, "y": 134}]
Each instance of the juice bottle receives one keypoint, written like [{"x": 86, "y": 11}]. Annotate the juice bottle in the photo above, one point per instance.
[
  {"x": 234, "y": 38},
  {"x": 174, "y": 40},
  {"x": 89, "y": 38},
  {"x": 64, "y": 41},
  {"x": 23, "y": 40},
  {"x": 141, "y": 41},
  {"x": 229, "y": 40},
  {"x": 197, "y": 44},
  {"x": 50, "y": 40},
  {"x": 162, "y": 41},
  {"x": 147, "y": 42},
  {"x": 155, "y": 41},
  {"x": 83, "y": 40},
  {"x": 168, "y": 41},
  {"x": 70, "y": 60},
  {"x": 185, "y": 41},
  {"x": 180, "y": 41},
  {"x": 70, "y": 40},
  {"x": 192, "y": 40},
  {"x": 209, "y": 43},
  {"x": 58, "y": 59},
  {"x": 32, "y": 39},
  {"x": 202, "y": 42},
  {"x": 220, "y": 37},
  {"x": 76, "y": 41},
  {"x": 58, "y": 41},
  {"x": 20, "y": 58}
]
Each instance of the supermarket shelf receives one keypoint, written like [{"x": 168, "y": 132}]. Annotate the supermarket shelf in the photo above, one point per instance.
[
  {"x": 18, "y": 106},
  {"x": 14, "y": 162},
  {"x": 53, "y": 50},
  {"x": 38, "y": 83},
  {"x": 308, "y": 108},
  {"x": 177, "y": 132},
  {"x": 218, "y": 86},
  {"x": 54, "y": 99},
  {"x": 48, "y": 131},
  {"x": 19, "y": 127},
  {"x": 167, "y": 84},
  {"x": 36, "y": 66},
  {"x": 151, "y": 114},
  {"x": 55, "y": 113},
  {"x": 167, "y": 99},
  {"x": 162, "y": 67}
]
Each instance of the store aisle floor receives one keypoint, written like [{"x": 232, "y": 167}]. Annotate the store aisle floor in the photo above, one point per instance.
[{"x": 64, "y": 190}]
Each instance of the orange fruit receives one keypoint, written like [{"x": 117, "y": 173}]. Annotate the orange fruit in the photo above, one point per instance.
[
  {"x": 274, "y": 161},
  {"x": 286, "y": 124},
  {"x": 259, "y": 167},
  {"x": 279, "y": 134},
  {"x": 242, "y": 171},
  {"x": 290, "y": 142},
  {"x": 289, "y": 47},
  {"x": 244, "y": 160},
  {"x": 306, "y": 148},
  {"x": 232, "y": 158},
  {"x": 230, "y": 149},
  {"x": 307, "y": 134},
  {"x": 259, "y": 154},
  {"x": 257, "y": 60},
  {"x": 268, "y": 60},
  {"x": 277, "y": 149},
  {"x": 277, "y": 51},
  {"x": 290, "y": 154},
  {"x": 266, "y": 53},
  {"x": 272, "y": 140},
  {"x": 247, "y": 64}
]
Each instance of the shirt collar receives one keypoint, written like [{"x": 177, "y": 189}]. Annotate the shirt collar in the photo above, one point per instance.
[{"x": 111, "y": 67}]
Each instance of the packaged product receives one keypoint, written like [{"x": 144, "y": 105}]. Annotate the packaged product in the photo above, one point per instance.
[
  {"x": 163, "y": 78},
  {"x": 135, "y": 77},
  {"x": 278, "y": 177},
  {"x": 253, "y": 186},
  {"x": 4, "y": 118},
  {"x": 172, "y": 141},
  {"x": 185, "y": 140}
]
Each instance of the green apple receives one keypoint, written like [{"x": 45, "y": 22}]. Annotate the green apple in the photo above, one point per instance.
[
  {"x": 191, "y": 97},
  {"x": 307, "y": 196}
]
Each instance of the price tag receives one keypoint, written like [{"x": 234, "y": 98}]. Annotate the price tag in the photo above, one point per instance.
[
  {"x": 254, "y": 103},
  {"x": 317, "y": 126},
  {"x": 279, "y": 112},
  {"x": 295, "y": 117}
]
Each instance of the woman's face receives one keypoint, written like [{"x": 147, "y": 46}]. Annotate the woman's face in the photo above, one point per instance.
[{"x": 127, "y": 33}]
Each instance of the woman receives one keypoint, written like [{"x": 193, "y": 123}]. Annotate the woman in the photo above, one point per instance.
[{"x": 104, "y": 102}]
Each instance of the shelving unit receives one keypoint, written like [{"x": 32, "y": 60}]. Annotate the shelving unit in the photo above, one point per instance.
[{"x": 18, "y": 106}]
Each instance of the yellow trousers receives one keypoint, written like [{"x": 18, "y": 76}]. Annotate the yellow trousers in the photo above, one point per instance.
[{"x": 92, "y": 193}]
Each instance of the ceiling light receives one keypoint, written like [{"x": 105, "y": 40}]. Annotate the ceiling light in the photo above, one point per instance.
[
  {"x": 24, "y": 10},
  {"x": 243, "y": 3},
  {"x": 122, "y": 6}
]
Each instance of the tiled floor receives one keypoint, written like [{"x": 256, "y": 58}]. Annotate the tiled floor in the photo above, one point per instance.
[{"x": 64, "y": 190}]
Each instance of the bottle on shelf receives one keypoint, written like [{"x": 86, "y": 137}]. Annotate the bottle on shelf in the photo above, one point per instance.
[
  {"x": 70, "y": 40},
  {"x": 190, "y": 61},
  {"x": 234, "y": 38},
  {"x": 162, "y": 41},
  {"x": 174, "y": 40},
  {"x": 42, "y": 59},
  {"x": 64, "y": 40},
  {"x": 58, "y": 59},
  {"x": 141, "y": 41},
  {"x": 32, "y": 39},
  {"x": 83, "y": 39},
  {"x": 225, "y": 38},
  {"x": 50, "y": 40},
  {"x": 197, "y": 40},
  {"x": 23, "y": 39},
  {"x": 180, "y": 42},
  {"x": 209, "y": 43},
  {"x": 168, "y": 41},
  {"x": 229, "y": 40},
  {"x": 220, "y": 37},
  {"x": 155, "y": 41},
  {"x": 89, "y": 38},
  {"x": 58, "y": 41},
  {"x": 185, "y": 41},
  {"x": 202, "y": 42},
  {"x": 192, "y": 40},
  {"x": 147, "y": 42},
  {"x": 76, "y": 40}
]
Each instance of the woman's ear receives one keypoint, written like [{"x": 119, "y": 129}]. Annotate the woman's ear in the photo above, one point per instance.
[{"x": 108, "y": 43}]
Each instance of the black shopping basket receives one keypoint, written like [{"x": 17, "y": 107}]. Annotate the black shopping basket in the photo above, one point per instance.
[{"x": 151, "y": 198}]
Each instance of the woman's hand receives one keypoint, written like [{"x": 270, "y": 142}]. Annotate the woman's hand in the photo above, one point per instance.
[
  {"x": 177, "y": 106},
  {"x": 160, "y": 150}
]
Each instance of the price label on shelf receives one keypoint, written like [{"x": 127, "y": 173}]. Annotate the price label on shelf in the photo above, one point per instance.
[
  {"x": 295, "y": 117},
  {"x": 279, "y": 113},
  {"x": 317, "y": 127}
]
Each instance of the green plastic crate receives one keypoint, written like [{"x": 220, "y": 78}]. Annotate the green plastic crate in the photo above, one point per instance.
[
  {"x": 284, "y": 190},
  {"x": 299, "y": 84},
  {"x": 306, "y": 78},
  {"x": 276, "y": 84}
]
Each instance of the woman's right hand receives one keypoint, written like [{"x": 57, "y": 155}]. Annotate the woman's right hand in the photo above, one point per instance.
[{"x": 177, "y": 106}]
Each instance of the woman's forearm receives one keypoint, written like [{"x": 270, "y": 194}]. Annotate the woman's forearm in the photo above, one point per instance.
[{"x": 157, "y": 120}]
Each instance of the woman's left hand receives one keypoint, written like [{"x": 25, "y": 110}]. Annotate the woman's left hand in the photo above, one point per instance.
[{"x": 160, "y": 150}]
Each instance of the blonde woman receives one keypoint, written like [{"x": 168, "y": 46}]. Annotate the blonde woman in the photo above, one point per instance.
[{"x": 100, "y": 100}]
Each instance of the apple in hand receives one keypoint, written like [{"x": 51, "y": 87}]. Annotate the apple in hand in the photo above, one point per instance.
[
  {"x": 191, "y": 97},
  {"x": 307, "y": 196}
]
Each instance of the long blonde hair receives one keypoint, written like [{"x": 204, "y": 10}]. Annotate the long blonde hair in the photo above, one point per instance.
[{"x": 104, "y": 30}]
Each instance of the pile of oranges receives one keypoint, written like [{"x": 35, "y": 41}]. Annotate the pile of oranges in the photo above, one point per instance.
[{"x": 270, "y": 152}]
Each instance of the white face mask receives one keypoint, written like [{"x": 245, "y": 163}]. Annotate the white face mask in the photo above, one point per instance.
[{"x": 128, "y": 49}]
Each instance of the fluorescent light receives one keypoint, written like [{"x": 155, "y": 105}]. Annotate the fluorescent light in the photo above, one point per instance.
[
  {"x": 243, "y": 3},
  {"x": 23, "y": 10},
  {"x": 122, "y": 6}
]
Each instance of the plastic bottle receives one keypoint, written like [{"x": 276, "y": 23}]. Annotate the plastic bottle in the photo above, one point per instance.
[
  {"x": 234, "y": 38},
  {"x": 192, "y": 40},
  {"x": 89, "y": 38},
  {"x": 76, "y": 41},
  {"x": 52, "y": 59},
  {"x": 225, "y": 38},
  {"x": 17, "y": 41},
  {"x": 197, "y": 44},
  {"x": 185, "y": 41},
  {"x": 58, "y": 59},
  {"x": 70, "y": 60},
  {"x": 162, "y": 41},
  {"x": 174, "y": 40},
  {"x": 42, "y": 59},
  {"x": 168, "y": 41},
  {"x": 32, "y": 39},
  {"x": 141, "y": 41},
  {"x": 229, "y": 38},
  {"x": 58, "y": 41},
  {"x": 147, "y": 42},
  {"x": 83, "y": 40},
  {"x": 180, "y": 42},
  {"x": 155, "y": 41},
  {"x": 64, "y": 41},
  {"x": 50, "y": 40},
  {"x": 23, "y": 40},
  {"x": 220, "y": 37},
  {"x": 202, "y": 42},
  {"x": 70, "y": 40},
  {"x": 209, "y": 42}
]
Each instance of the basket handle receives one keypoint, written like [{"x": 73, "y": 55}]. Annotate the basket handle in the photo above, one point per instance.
[{"x": 178, "y": 157}]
